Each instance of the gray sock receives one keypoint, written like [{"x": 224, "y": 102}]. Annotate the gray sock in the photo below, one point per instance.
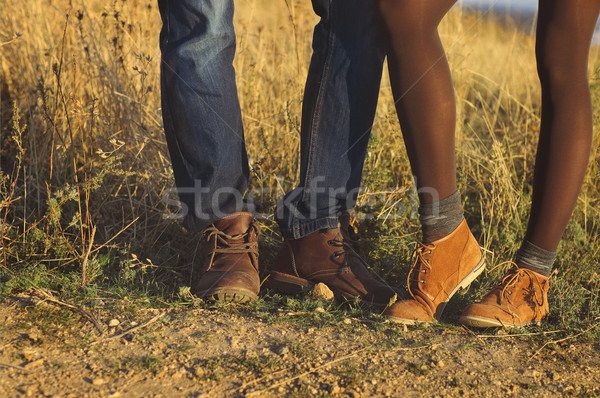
[
  {"x": 440, "y": 219},
  {"x": 535, "y": 258}
]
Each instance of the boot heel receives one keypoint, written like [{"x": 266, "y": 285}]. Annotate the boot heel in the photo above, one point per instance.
[
  {"x": 473, "y": 275},
  {"x": 287, "y": 284}
]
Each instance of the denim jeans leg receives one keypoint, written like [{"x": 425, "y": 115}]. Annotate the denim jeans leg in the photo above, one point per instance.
[
  {"x": 201, "y": 111},
  {"x": 340, "y": 101}
]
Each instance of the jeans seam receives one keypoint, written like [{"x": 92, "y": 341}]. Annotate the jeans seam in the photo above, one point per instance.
[
  {"x": 319, "y": 103},
  {"x": 296, "y": 230}
]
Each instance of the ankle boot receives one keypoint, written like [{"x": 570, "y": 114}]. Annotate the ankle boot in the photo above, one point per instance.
[
  {"x": 519, "y": 299},
  {"x": 230, "y": 260},
  {"x": 327, "y": 256},
  {"x": 440, "y": 269}
]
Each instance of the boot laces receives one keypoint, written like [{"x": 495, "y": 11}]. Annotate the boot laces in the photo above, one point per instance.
[
  {"x": 348, "y": 241},
  {"x": 344, "y": 245},
  {"x": 233, "y": 244},
  {"x": 513, "y": 277},
  {"x": 421, "y": 265}
]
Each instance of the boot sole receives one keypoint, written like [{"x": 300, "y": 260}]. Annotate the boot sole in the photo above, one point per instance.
[
  {"x": 471, "y": 276},
  {"x": 483, "y": 322},
  {"x": 408, "y": 322},
  {"x": 293, "y": 285},
  {"x": 230, "y": 295}
]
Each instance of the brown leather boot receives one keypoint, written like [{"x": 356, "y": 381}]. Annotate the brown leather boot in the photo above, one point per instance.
[
  {"x": 231, "y": 260},
  {"x": 327, "y": 256},
  {"x": 440, "y": 269},
  {"x": 519, "y": 299}
]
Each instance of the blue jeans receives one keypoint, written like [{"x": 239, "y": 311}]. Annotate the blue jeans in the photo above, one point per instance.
[
  {"x": 201, "y": 111},
  {"x": 339, "y": 106},
  {"x": 202, "y": 116}
]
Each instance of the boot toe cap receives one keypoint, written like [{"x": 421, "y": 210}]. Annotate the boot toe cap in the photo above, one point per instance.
[
  {"x": 408, "y": 312},
  {"x": 231, "y": 283},
  {"x": 486, "y": 315}
]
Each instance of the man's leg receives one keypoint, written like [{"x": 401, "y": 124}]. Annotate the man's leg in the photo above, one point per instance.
[
  {"x": 203, "y": 126},
  {"x": 201, "y": 111},
  {"x": 339, "y": 106}
]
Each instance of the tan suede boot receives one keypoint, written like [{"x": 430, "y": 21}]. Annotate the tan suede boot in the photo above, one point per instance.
[
  {"x": 440, "y": 269},
  {"x": 519, "y": 299},
  {"x": 327, "y": 256},
  {"x": 231, "y": 260}
]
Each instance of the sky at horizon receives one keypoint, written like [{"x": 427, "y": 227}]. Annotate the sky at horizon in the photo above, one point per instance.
[
  {"x": 510, "y": 5},
  {"x": 526, "y": 8}
]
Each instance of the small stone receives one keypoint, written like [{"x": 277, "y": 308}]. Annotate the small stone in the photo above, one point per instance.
[
  {"x": 31, "y": 391},
  {"x": 440, "y": 364},
  {"x": 310, "y": 331},
  {"x": 33, "y": 336},
  {"x": 321, "y": 292},
  {"x": 113, "y": 322},
  {"x": 133, "y": 323},
  {"x": 98, "y": 381},
  {"x": 198, "y": 371},
  {"x": 320, "y": 310},
  {"x": 33, "y": 364},
  {"x": 347, "y": 321},
  {"x": 31, "y": 355},
  {"x": 281, "y": 350}
]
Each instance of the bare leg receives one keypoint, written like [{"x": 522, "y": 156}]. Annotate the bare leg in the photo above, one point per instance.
[
  {"x": 564, "y": 34},
  {"x": 423, "y": 91}
]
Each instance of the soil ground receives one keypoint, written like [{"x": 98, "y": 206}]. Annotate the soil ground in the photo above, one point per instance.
[{"x": 51, "y": 350}]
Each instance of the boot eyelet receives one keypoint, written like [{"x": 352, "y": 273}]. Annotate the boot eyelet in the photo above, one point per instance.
[
  {"x": 330, "y": 242},
  {"x": 423, "y": 282},
  {"x": 430, "y": 252}
]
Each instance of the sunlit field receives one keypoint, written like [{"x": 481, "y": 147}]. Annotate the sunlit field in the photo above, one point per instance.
[{"x": 86, "y": 173}]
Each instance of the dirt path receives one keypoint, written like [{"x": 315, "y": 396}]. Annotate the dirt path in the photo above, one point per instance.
[{"x": 52, "y": 351}]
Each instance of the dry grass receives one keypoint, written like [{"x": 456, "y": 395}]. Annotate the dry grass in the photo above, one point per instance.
[{"x": 85, "y": 164}]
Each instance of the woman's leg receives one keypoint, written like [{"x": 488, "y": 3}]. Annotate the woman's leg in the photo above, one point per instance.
[
  {"x": 424, "y": 96},
  {"x": 449, "y": 256},
  {"x": 564, "y": 34},
  {"x": 423, "y": 90}
]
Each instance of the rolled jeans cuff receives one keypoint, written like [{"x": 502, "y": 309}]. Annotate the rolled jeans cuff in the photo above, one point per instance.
[
  {"x": 195, "y": 224},
  {"x": 297, "y": 229}
]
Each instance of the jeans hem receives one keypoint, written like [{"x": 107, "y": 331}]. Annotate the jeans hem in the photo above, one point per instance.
[
  {"x": 195, "y": 224},
  {"x": 300, "y": 229}
]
